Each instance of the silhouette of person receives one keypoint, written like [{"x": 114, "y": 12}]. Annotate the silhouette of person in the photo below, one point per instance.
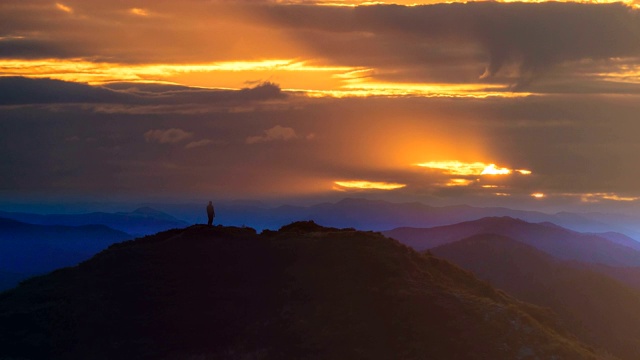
[{"x": 210, "y": 213}]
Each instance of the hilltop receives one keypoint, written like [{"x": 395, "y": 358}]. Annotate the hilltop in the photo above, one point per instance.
[{"x": 303, "y": 292}]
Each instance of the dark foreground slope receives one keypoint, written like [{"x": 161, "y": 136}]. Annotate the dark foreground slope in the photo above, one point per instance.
[
  {"x": 599, "y": 309},
  {"x": 304, "y": 292}
]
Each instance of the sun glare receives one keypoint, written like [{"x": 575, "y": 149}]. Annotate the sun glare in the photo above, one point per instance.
[
  {"x": 538, "y": 195},
  {"x": 455, "y": 167},
  {"x": 469, "y": 169},
  {"x": 491, "y": 169}
]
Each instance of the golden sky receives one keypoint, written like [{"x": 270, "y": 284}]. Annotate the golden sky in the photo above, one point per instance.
[{"x": 489, "y": 102}]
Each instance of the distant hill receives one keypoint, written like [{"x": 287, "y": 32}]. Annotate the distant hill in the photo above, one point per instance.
[
  {"x": 600, "y": 310},
  {"x": 27, "y": 249},
  {"x": 303, "y": 292},
  {"x": 620, "y": 239},
  {"x": 378, "y": 215},
  {"x": 362, "y": 214},
  {"x": 142, "y": 221},
  {"x": 366, "y": 214},
  {"x": 552, "y": 239}
]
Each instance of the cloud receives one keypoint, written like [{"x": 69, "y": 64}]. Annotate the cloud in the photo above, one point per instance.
[
  {"x": 365, "y": 184},
  {"x": 22, "y": 90},
  {"x": 528, "y": 38},
  {"x": 274, "y": 134},
  {"x": 167, "y": 136},
  {"x": 511, "y": 43},
  {"x": 172, "y": 34},
  {"x": 64, "y": 8},
  {"x": 199, "y": 143},
  {"x": 139, "y": 12}
]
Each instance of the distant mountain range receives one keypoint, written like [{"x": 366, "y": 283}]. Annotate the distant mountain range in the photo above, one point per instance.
[
  {"x": 28, "y": 249},
  {"x": 303, "y": 292},
  {"x": 142, "y": 221},
  {"x": 557, "y": 241},
  {"x": 599, "y": 309},
  {"x": 361, "y": 214},
  {"x": 380, "y": 215}
]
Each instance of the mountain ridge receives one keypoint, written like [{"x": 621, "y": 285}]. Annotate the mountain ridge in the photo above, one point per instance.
[
  {"x": 141, "y": 221},
  {"x": 596, "y": 307},
  {"x": 304, "y": 292},
  {"x": 560, "y": 242}
]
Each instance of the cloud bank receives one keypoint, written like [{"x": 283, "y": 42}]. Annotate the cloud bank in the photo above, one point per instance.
[{"x": 528, "y": 37}]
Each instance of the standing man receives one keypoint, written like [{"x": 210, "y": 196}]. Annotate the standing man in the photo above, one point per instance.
[{"x": 210, "y": 213}]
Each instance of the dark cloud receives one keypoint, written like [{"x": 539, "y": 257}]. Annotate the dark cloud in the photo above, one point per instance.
[
  {"x": 20, "y": 91},
  {"x": 532, "y": 36},
  {"x": 513, "y": 42},
  {"x": 20, "y": 48}
]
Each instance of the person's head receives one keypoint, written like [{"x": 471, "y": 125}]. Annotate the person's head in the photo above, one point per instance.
[{"x": 209, "y": 202}]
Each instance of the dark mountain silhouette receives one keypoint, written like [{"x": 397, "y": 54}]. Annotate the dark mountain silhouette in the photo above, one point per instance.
[
  {"x": 27, "y": 249},
  {"x": 142, "y": 221},
  {"x": 552, "y": 239},
  {"x": 9, "y": 280},
  {"x": 303, "y": 292},
  {"x": 600, "y": 310}
]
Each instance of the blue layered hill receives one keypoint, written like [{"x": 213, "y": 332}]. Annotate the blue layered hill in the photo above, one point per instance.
[
  {"x": 557, "y": 241},
  {"x": 142, "y": 221},
  {"x": 28, "y": 249}
]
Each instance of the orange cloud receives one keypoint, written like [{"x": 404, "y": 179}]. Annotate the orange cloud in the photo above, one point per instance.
[
  {"x": 597, "y": 197},
  {"x": 64, "y": 8},
  {"x": 139, "y": 12},
  {"x": 369, "y": 185},
  {"x": 460, "y": 182},
  {"x": 469, "y": 169}
]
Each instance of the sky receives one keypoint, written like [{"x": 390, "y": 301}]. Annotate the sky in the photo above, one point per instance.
[{"x": 518, "y": 104}]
